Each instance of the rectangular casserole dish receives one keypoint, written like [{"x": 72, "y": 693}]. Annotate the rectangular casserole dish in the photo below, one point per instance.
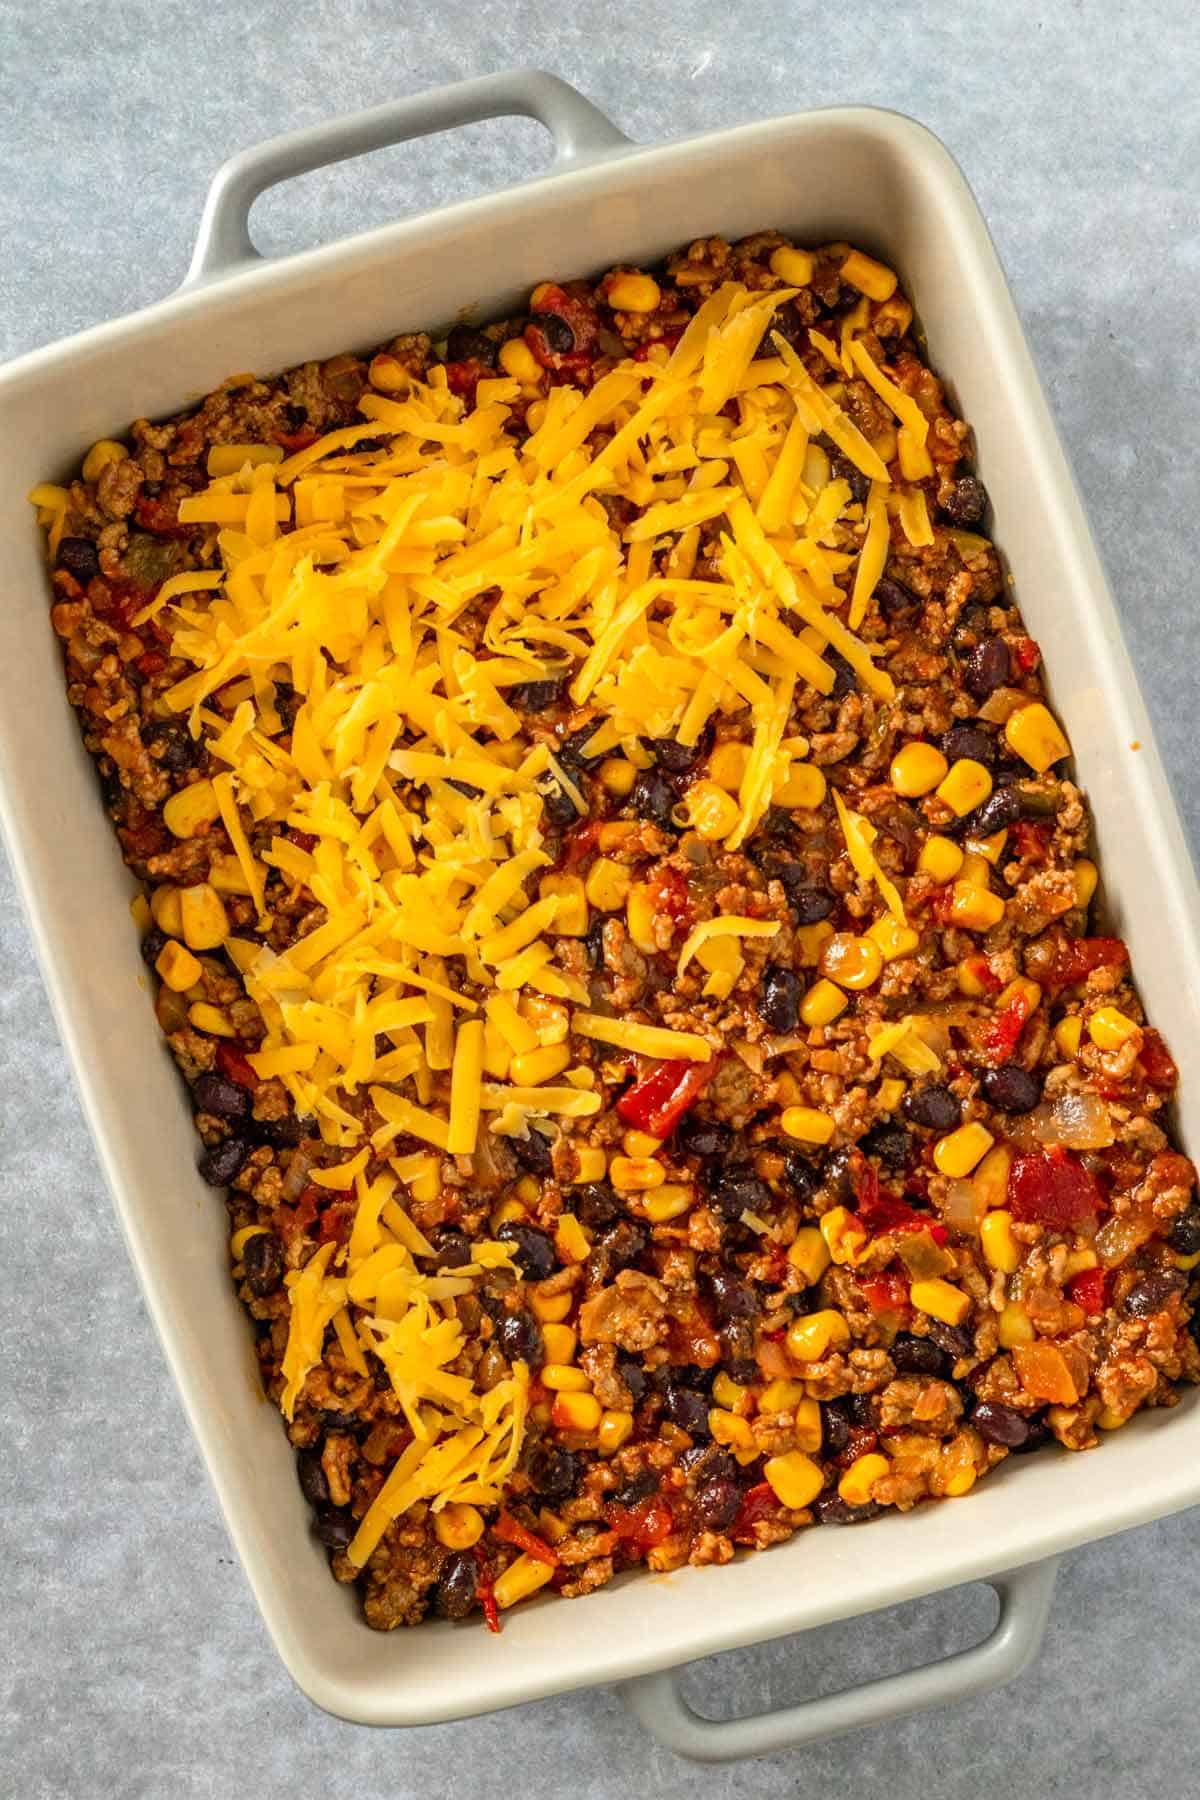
[{"x": 867, "y": 175}]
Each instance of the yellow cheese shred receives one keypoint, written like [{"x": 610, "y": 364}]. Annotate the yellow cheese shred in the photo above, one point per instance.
[{"x": 860, "y": 835}]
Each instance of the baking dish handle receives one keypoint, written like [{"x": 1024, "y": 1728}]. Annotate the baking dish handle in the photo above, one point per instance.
[
  {"x": 1024, "y": 1595},
  {"x": 580, "y": 131}
]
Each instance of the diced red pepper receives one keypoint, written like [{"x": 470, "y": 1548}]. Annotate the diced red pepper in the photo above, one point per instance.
[
  {"x": 486, "y": 1590},
  {"x": 1002, "y": 1033},
  {"x": 939, "y": 1234},
  {"x": 295, "y": 441},
  {"x": 1158, "y": 1065},
  {"x": 658, "y": 1102},
  {"x": 462, "y": 378},
  {"x": 231, "y": 1060},
  {"x": 1027, "y": 654},
  {"x": 643, "y": 1526},
  {"x": 1077, "y": 958},
  {"x": 1088, "y": 1289},
  {"x": 511, "y": 1531},
  {"x": 758, "y": 1502},
  {"x": 885, "y": 1293},
  {"x": 1052, "y": 1188}
]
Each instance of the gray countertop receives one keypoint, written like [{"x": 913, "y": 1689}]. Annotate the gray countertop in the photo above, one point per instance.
[{"x": 132, "y": 1660}]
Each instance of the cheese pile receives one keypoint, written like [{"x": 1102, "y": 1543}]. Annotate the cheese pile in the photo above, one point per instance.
[{"x": 403, "y": 590}]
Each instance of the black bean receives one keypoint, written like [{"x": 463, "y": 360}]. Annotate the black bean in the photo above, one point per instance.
[
  {"x": 1153, "y": 1292},
  {"x": 842, "y": 469},
  {"x": 1185, "y": 1233},
  {"x": 637, "y": 1490},
  {"x": 801, "y": 1177},
  {"x": 334, "y": 1526},
  {"x": 652, "y": 797},
  {"x": 835, "y": 1429},
  {"x": 571, "y": 753},
  {"x": 221, "y": 1163},
  {"x": 1000, "y": 1424},
  {"x": 1039, "y": 1434},
  {"x": 971, "y": 625},
  {"x": 224, "y": 1099},
  {"x": 1001, "y": 808},
  {"x": 891, "y": 1144},
  {"x": 453, "y": 1247},
  {"x": 973, "y": 741},
  {"x": 687, "y": 1409},
  {"x": 313, "y": 1484},
  {"x": 676, "y": 758},
  {"x": 987, "y": 667},
  {"x": 634, "y": 1377},
  {"x": 702, "y": 1137},
  {"x": 831, "y": 1509},
  {"x": 625, "y": 1243},
  {"x": 458, "y": 1585},
  {"x": 967, "y": 501},
  {"x": 532, "y": 1249},
  {"x": 553, "y": 1471},
  {"x": 534, "y": 696},
  {"x": 597, "y": 1205},
  {"x": 465, "y": 788},
  {"x": 465, "y": 344},
  {"x": 956, "y": 1342},
  {"x": 861, "y": 1409},
  {"x": 557, "y": 805},
  {"x": 934, "y": 1107},
  {"x": 1011, "y": 1089},
  {"x": 79, "y": 557},
  {"x": 153, "y": 945},
  {"x": 520, "y": 1337},
  {"x": 171, "y": 744},
  {"x": 263, "y": 1261},
  {"x": 533, "y": 1153},
  {"x": 894, "y": 598},
  {"x": 737, "y": 1190},
  {"x": 717, "y": 1503},
  {"x": 737, "y": 1360},
  {"x": 593, "y": 943},
  {"x": 779, "y": 1000},
  {"x": 844, "y": 679},
  {"x": 340, "y": 1421},
  {"x": 285, "y": 1133},
  {"x": 560, "y": 339},
  {"x": 809, "y": 905},
  {"x": 733, "y": 1298},
  {"x": 917, "y": 1355},
  {"x": 838, "y": 1172}
]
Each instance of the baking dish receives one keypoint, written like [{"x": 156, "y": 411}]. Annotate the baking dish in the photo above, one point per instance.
[{"x": 867, "y": 175}]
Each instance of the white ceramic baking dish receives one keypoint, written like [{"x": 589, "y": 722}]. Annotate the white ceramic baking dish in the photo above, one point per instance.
[{"x": 867, "y": 175}]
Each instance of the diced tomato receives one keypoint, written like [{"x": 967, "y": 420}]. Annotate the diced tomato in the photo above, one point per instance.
[
  {"x": 159, "y": 518},
  {"x": 981, "y": 969},
  {"x": 485, "y": 1588},
  {"x": 1002, "y": 1034},
  {"x": 880, "y": 1211},
  {"x": 758, "y": 1502},
  {"x": 231, "y": 1060},
  {"x": 671, "y": 896},
  {"x": 658, "y": 1102},
  {"x": 579, "y": 843},
  {"x": 462, "y": 378},
  {"x": 1077, "y": 958},
  {"x": 150, "y": 662},
  {"x": 861, "y": 1442},
  {"x": 303, "y": 840},
  {"x": 885, "y": 1293},
  {"x": 1027, "y": 654},
  {"x": 295, "y": 441},
  {"x": 552, "y": 301},
  {"x": 1032, "y": 838},
  {"x": 1158, "y": 1065},
  {"x": 939, "y": 1234},
  {"x": 643, "y": 1526},
  {"x": 308, "y": 1205},
  {"x": 511, "y": 1531},
  {"x": 335, "y": 1224},
  {"x": 1052, "y": 1188},
  {"x": 1089, "y": 1290}
]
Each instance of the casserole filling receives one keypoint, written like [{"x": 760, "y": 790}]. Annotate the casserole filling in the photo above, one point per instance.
[{"x": 618, "y": 899}]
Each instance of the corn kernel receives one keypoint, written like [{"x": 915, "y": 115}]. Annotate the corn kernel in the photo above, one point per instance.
[
  {"x": 571, "y": 919},
  {"x": 728, "y": 1429},
  {"x": 617, "y": 776},
  {"x": 166, "y": 911},
  {"x": 635, "y": 1174},
  {"x": 957, "y": 1153},
  {"x": 458, "y": 1526},
  {"x": 842, "y": 1234},
  {"x": 1036, "y": 736},
  {"x": 520, "y": 1579},
  {"x": 510, "y": 1209},
  {"x": 1015, "y": 1326},
  {"x": 809, "y": 1253},
  {"x": 874, "y": 279},
  {"x": 139, "y": 912},
  {"x": 101, "y": 454},
  {"x": 793, "y": 266},
  {"x": 976, "y": 869},
  {"x": 1186, "y": 1262},
  {"x": 549, "y": 1309},
  {"x": 1086, "y": 876},
  {"x": 1108, "y": 1419},
  {"x": 529, "y": 1190},
  {"x": 1109, "y": 1028},
  {"x": 853, "y": 962},
  {"x": 1020, "y": 988},
  {"x": 640, "y": 1143},
  {"x": 940, "y": 1299},
  {"x": 240, "y": 1239},
  {"x": 990, "y": 848},
  {"x": 614, "y": 1428},
  {"x": 575, "y": 1411},
  {"x": 810, "y": 1337},
  {"x": 203, "y": 917},
  {"x": 640, "y": 917},
  {"x": 967, "y": 786},
  {"x": 917, "y": 769},
  {"x": 1000, "y": 1247},
  {"x": 856, "y": 1484},
  {"x": 807, "y": 1124},
  {"x": 635, "y": 293},
  {"x": 727, "y": 1392},
  {"x": 210, "y": 1019},
  {"x": 898, "y": 314},
  {"x": 781, "y": 1395},
  {"x": 1067, "y": 1034},
  {"x": 892, "y": 938},
  {"x": 189, "y": 809},
  {"x": 608, "y": 884},
  {"x": 960, "y": 1483},
  {"x": 727, "y": 765},
  {"x": 614, "y": 834},
  {"x": 560, "y": 1343},
  {"x": 973, "y": 908},
  {"x": 670, "y": 1201},
  {"x": 795, "y": 1478},
  {"x": 178, "y": 968},
  {"x": 990, "y": 1179},
  {"x": 822, "y": 1004},
  {"x": 1078, "y": 1261},
  {"x": 940, "y": 858},
  {"x": 388, "y": 374},
  {"x": 711, "y": 812},
  {"x": 571, "y": 1240},
  {"x": 811, "y": 940},
  {"x": 536, "y": 1066},
  {"x": 225, "y": 873},
  {"x": 592, "y": 1163},
  {"x": 804, "y": 786},
  {"x": 969, "y": 977},
  {"x": 565, "y": 1378},
  {"x": 891, "y": 1093},
  {"x": 810, "y": 1431},
  {"x": 518, "y": 360}
]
